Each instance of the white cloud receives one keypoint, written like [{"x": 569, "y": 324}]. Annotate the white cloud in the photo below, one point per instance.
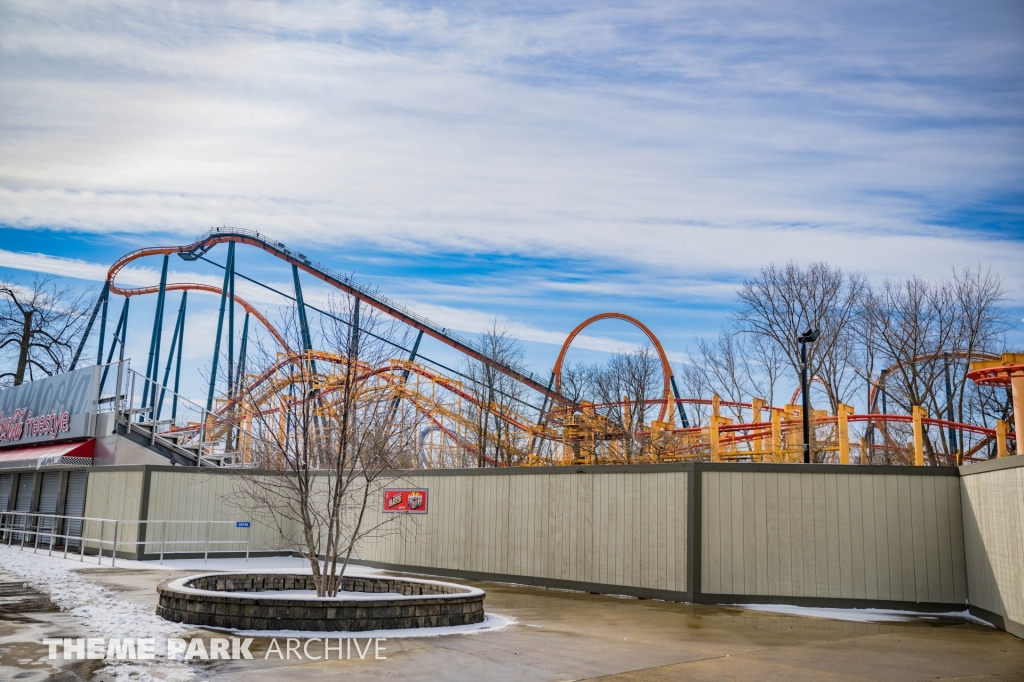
[
  {"x": 132, "y": 276},
  {"x": 689, "y": 140}
]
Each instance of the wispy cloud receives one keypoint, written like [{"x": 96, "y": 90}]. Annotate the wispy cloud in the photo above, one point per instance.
[
  {"x": 132, "y": 276},
  {"x": 698, "y": 137},
  {"x": 532, "y": 161}
]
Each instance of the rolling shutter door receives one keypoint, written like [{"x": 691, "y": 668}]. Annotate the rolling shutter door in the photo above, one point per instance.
[
  {"x": 23, "y": 501},
  {"x": 5, "y": 490},
  {"x": 74, "y": 503},
  {"x": 5, "y": 499},
  {"x": 49, "y": 496}
]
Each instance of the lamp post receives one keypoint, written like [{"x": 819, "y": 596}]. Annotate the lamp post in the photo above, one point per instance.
[{"x": 809, "y": 336}]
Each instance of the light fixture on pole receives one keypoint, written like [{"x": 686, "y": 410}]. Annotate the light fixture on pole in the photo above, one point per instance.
[{"x": 809, "y": 336}]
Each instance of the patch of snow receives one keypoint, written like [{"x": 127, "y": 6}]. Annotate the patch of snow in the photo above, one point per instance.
[
  {"x": 464, "y": 591},
  {"x": 311, "y": 594},
  {"x": 101, "y": 612},
  {"x": 492, "y": 623},
  {"x": 857, "y": 615}
]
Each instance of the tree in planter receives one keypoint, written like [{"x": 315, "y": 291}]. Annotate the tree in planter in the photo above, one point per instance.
[
  {"x": 321, "y": 449},
  {"x": 39, "y": 328}
]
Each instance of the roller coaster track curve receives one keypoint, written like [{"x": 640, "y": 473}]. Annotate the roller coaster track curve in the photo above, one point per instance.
[{"x": 275, "y": 248}]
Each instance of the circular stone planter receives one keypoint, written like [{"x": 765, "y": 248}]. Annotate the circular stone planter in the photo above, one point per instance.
[{"x": 238, "y": 601}]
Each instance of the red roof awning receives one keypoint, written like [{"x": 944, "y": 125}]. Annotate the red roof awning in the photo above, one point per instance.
[{"x": 51, "y": 453}]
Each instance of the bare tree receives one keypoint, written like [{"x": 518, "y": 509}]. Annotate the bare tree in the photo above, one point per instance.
[
  {"x": 336, "y": 427},
  {"x": 627, "y": 389},
  {"x": 980, "y": 325},
  {"x": 40, "y": 325},
  {"x": 578, "y": 382},
  {"x": 725, "y": 364},
  {"x": 925, "y": 335},
  {"x": 781, "y": 302},
  {"x": 498, "y": 397}
]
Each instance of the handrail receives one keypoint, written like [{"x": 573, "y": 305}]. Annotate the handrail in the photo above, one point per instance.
[{"x": 9, "y": 527}]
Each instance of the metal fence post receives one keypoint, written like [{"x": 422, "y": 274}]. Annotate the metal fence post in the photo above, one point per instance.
[
  {"x": 81, "y": 541},
  {"x": 100, "y": 543},
  {"x": 206, "y": 552},
  {"x": 35, "y": 538},
  {"x": 53, "y": 528},
  {"x": 131, "y": 402},
  {"x": 113, "y": 548},
  {"x": 248, "y": 536},
  {"x": 118, "y": 391},
  {"x": 66, "y": 535},
  {"x": 202, "y": 438},
  {"x": 163, "y": 542}
]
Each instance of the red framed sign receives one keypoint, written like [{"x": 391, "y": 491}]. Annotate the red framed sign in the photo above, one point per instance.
[{"x": 406, "y": 500}]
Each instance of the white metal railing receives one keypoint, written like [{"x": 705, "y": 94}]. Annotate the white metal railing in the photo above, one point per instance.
[
  {"x": 152, "y": 409},
  {"x": 17, "y": 527}
]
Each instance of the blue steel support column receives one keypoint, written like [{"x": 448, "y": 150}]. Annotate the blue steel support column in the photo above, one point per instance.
[
  {"x": 412, "y": 354},
  {"x": 307, "y": 340},
  {"x": 88, "y": 327},
  {"x": 103, "y": 323},
  {"x": 949, "y": 407},
  {"x": 543, "y": 410},
  {"x": 682, "y": 413},
  {"x": 405, "y": 372},
  {"x": 122, "y": 320},
  {"x": 241, "y": 353},
  {"x": 153, "y": 366},
  {"x": 353, "y": 341},
  {"x": 177, "y": 367},
  {"x": 220, "y": 325},
  {"x": 124, "y": 331},
  {"x": 231, "y": 329},
  {"x": 176, "y": 340}
]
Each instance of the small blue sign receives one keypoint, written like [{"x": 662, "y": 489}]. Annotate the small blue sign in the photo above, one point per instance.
[{"x": 242, "y": 524}]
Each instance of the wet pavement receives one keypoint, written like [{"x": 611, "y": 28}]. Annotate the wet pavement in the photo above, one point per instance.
[
  {"x": 562, "y": 635},
  {"x": 26, "y": 618}
]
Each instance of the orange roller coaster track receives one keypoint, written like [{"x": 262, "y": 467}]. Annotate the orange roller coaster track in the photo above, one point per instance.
[
  {"x": 252, "y": 238},
  {"x": 666, "y": 367},
  {"x": 586, "y": 434},
  {"x": 128, "y": 292}
]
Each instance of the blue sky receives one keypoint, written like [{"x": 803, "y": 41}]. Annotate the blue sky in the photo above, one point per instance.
[{"x": 533, "y": 162}]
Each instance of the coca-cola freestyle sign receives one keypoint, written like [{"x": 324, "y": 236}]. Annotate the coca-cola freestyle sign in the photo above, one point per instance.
[{"x": 55, "y": 408}]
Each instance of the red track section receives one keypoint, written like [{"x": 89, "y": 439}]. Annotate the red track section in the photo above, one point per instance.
[{"x": 996, "y": 376}]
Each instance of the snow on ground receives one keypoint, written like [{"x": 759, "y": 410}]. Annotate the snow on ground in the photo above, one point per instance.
[
  {"x": 310, "y": 595},
  {"x": 859, "y": 615},
  {"x": 102, "y": 613}
]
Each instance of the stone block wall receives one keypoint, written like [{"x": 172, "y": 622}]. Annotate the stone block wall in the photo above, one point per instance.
[{"x": 441, "y": 604}]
